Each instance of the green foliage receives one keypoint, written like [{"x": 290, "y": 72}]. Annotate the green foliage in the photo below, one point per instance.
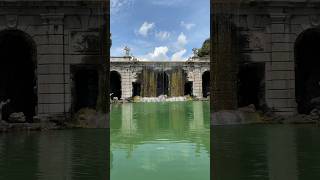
[{"x": 205, "y": 49}]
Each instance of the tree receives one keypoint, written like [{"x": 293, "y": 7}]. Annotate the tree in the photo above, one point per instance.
[{"x": 205, "y": 49}]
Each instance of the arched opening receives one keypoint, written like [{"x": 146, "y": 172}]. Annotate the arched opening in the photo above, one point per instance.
[
  {"x": 206, "y": 84},
  {"x": 115, "y": 85},
  {"x": 17, "y": 73},
  {"x": 136, "y": 89},
  {"x": 188, "y": 88},
  {"x": 251, "y": 85},
  {"x": 87, "y": 88},
  {"x": 162, "y": 83},
  {"x": 307, "y": 74}
]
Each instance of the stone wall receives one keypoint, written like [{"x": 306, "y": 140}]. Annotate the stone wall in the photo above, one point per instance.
[
  {"x": 270, "y": 29},
  {"x": 130, "y": 69},
  {"x": 66, "y": 33}
]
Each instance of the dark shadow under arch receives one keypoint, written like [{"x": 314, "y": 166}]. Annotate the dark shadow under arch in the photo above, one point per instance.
[
  {"x": 206, "y": 84},
  {"x": 115, "y": 84},
  {"x": 162, "y": 83},
  {"x": 17, "y": 73},
  {"x": 307, "y": 73}
]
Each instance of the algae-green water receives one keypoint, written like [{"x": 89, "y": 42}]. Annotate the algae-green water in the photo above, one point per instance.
[
  {"x": 160, "y": 141},
  {"x": 163, "y": 141}
]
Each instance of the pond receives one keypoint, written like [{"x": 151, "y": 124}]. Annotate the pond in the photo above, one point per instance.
[
  {"x": 54, "y": 155},
  {"x": 270, "y": 152},
  {"x": 169, "y": 140},
  {"x": 163, "y": 141}
]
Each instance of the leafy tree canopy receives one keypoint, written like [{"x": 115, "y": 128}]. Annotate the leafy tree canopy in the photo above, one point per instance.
[{"x": 205, "y": 49}]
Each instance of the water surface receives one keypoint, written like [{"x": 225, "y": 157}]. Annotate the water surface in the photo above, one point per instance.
[
  {"x": 163, "y": 141},
  {"x": 266, "y": 152},
  {"x": 54, "y": 155},
  {"x": 169, "y": 140}
]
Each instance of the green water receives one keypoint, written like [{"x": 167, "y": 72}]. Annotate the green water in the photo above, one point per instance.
[
  {"x": 170, "y": 141},
  {"x": 54, "y": 155},
  {"x": 266, "y": 152},
  {"x": 160, "y": 141}
]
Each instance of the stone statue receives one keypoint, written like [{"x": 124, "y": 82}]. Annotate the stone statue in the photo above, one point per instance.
[
  {"x": 127, "y": 51},
  {"x": 195, "y": 52},
  {"x": 3, "y": 103}
]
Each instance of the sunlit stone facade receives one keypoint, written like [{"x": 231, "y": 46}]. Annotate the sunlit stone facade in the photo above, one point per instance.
[{"x": 146, "y": 74}]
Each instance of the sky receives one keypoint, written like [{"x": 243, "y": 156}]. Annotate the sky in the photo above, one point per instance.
[{"x": 159, "y": 30}]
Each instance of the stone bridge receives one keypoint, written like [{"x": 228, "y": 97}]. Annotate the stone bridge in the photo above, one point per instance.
[
  {"x": 265, "y": 52},
  {"x": 130, "y": 77}
]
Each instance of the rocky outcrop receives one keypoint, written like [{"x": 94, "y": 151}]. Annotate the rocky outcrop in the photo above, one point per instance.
[
  {"x": 243, "y": 115},
  {"x": 17, "y": 118},
  {"x": 88, "y": 118}
]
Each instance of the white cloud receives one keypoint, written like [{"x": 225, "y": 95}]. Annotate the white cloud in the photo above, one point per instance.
[
  {"x": 163, "y": 35},
  {"x": 145, "y": 28},
  {"x": 117, "y": 5},
  {"x": 178, "y": 56},
  {"x": 159, "y": 54},
  {"x": 182, "y": 40},
  {"x": 188, "y": 26},
  {"x": 168, "y": 2}
]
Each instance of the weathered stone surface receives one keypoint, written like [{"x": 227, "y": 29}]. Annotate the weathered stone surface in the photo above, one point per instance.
[
  {"x": 56, "y": 28},
  {"x": 89, "y": 118},
  {"x": 130, "y": 68},
  {"x": 235, "y": 117},
  {"x": 281, "y": 24}
]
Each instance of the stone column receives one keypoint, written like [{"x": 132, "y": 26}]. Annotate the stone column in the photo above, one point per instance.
[
  {"x": 280, "y": 83},
  {"x": 197, "y": 82},
  {"x": 126, "y": 84},
  {"x": 224, "y": 55}
]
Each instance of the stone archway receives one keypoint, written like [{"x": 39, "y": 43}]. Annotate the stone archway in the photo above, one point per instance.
[
  {"x": 162, "y": 83},
  {"x": 307, "y": 73},
  {"x": 206, "y": 84},
  {"x": 18, "y": 73},
  {"x": 115, "y": 85}
]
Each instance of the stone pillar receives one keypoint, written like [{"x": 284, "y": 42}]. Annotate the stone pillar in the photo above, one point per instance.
[
  {"x": 224, "y": 54},
  {"x": 126, "y": 84},
  {"x": 197, "y": 83},
  {"x": 280, "y": 83},
  {"x": 50, "y": 67}
]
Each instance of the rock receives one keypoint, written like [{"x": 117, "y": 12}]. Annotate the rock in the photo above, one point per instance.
[
  {"x": 89, "y": 118},
  {"x": 136, "y": 99},
  {"x": 315, "y": 100},
  {"x": 17, "y": 118},
  {"x": 250, "y": 108},
  {"x": 235, "y": 117},
  {"x": 36, "y": 119}
]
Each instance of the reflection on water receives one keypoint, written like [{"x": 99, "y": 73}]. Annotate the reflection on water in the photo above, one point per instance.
[
  {"x": 160, "y": 141},
  {"x": 163, "y": 141},
  {"x": 54, "y": 155},
  {"x": 271, "y": 152}
]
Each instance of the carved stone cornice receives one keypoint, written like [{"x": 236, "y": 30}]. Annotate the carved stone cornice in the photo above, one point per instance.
[
  {"x": 53, "y": 18},
  {"x": 12, "y": 20}
]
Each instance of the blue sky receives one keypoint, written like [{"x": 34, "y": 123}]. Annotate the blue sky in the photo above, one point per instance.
[{"x": 159, "y": 29}]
